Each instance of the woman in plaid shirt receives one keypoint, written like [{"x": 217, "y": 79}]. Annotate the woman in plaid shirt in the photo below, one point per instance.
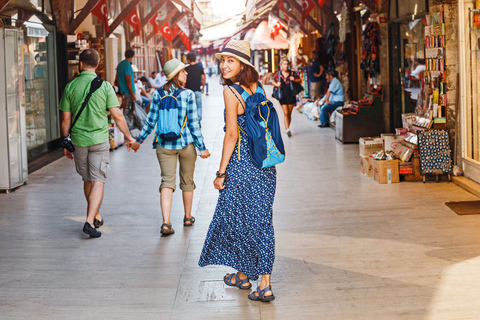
[{"x": 183, "y": 148}]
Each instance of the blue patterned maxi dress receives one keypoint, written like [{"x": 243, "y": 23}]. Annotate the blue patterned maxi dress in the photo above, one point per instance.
[{"x": 241, "y": 233}]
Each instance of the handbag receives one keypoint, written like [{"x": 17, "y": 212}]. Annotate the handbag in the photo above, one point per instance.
[
  {"x": 296, "y": 87},
  {"x": 277, "y": 91}
]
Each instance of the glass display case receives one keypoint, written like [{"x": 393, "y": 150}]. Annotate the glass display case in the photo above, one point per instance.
[{"x": 13, "y": 153}]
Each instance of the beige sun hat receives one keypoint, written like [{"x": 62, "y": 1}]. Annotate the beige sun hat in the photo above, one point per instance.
[
  {"x": 239, "y": 49},
  {"x": 172, "y": 67}
]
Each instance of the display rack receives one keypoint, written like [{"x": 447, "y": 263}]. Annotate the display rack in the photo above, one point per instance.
[{"x": 434, "y": 151}]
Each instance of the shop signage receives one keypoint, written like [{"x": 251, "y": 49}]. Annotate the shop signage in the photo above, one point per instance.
[
  {"x": 382, "y": 20},
  {"x": 36, "y": 32}
]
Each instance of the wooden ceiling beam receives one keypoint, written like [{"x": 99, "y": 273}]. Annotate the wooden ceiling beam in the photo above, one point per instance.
[
  {"x": 150, "y": 15},
  {"x": 3, "y": 4},
  {"x": 370, "y": 4},
  {"x": 82, "y": 15},
  {"x": 122, "y": 16},
  {"x": 312, "y": 21}
]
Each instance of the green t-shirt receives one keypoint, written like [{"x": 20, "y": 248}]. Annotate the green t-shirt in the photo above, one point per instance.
[{"x": 92, "y": 126}]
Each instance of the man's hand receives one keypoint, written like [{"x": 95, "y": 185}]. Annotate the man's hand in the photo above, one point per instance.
[
  {"x": 68, "y": 154},
  {"x": 204, "y": 154},
  {"x": 328, "y": 102},
  {"x": 132, "y": 96}
]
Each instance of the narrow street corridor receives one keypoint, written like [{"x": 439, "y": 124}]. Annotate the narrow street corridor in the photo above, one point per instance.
[{"x": 346, "y": 246}]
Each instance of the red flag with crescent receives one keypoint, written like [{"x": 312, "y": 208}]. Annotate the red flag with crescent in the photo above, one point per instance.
[
  {"x": 321, "y": 3},
  {"x": 167, "y": 33},
  {"x": 307, "y": 6},
  {"x": 154, "y": 23},
  {"x": 101, "y": 12},
  {"x": 134, "y": 20}
]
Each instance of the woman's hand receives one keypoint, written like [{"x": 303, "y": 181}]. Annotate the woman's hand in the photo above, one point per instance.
[
  {"x": 219, "y": 183},
  {"x": 204, "y": 154},
  {"x": 133, "y": 145}
]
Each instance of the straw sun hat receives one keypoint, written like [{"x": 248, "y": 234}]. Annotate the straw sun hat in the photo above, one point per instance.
[
  {"x": 172, "y": 67},
  {"x": 237, "y": 48}
]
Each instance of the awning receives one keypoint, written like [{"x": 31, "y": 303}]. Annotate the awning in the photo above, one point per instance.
[{"x": 261, "y": 38}]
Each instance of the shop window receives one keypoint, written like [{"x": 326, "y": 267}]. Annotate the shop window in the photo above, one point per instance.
[{"x": 40, "y": 84}]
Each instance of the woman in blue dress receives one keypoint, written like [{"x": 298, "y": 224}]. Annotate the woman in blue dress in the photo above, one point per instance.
[{"x": 241, "y": 233}]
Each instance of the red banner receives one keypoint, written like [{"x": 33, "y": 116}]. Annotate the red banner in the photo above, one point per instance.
[
  {"x": 175, "y": 31},
  {"x": 167, "y": 33},
  {"x": 134, "y": 21},
  {"x": 101, "y": 12},
  {"x": 186, "y": 41},
  {"x": 154, "y": 23},
  {"x": 307, "y": 6},
  {"x": 321, "y": 3}
]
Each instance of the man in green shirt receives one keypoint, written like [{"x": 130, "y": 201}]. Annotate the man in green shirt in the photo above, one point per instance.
[{"x": 90, "y": 134}]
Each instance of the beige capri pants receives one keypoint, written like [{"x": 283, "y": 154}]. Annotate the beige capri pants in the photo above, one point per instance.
[{"x": 168, "y": 166}]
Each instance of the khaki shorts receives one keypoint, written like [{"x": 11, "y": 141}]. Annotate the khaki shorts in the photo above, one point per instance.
[
  {"x": 168, "y": 165},
  {"x": 93, "y": 162}
]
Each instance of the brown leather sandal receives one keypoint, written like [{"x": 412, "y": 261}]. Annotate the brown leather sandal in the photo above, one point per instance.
[{"x": 169, "y": 230}]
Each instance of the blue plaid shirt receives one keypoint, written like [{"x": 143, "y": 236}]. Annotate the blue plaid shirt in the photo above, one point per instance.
[{"x": 190, "y": 134}]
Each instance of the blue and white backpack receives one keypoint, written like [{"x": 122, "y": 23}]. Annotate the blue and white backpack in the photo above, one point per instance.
[
  {"x": 168, "y": 127},
  {"x": 265, "y": 141}
]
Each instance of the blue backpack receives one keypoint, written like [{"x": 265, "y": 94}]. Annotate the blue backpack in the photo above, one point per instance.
[
  {"x": 263, "y": 130},
  {"x": 168, "y": 127}
]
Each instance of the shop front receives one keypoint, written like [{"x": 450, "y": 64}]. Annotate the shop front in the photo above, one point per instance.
[
  {"x": 407, "y": 56},
  {"x": 32, "y": 75}
]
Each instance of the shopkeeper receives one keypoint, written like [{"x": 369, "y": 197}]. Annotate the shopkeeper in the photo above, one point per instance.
[{"x": 334, "y": 98}]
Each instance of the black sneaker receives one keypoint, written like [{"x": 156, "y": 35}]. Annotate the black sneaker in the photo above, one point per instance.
[
  {"x": 92, "y": 232},
  {"x": 97, "y": 223}
]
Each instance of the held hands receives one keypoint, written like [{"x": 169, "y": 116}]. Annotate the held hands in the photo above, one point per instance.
[
  {"x": 68, "y": 154},
  {"x": 134, "y": 145},
  {"x": 204, "y": 154}
]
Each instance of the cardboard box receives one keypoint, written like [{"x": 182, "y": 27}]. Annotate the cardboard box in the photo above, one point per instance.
[
  {"x": 369, "y": 145},
  {"x": 391, "y": 141},
  {"x": 385, "y": 171},
  {"x": 365, "y": 166}
]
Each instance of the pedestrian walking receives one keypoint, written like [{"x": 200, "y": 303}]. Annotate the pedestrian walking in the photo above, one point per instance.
[
  {"x": 87, "y": 99},
  {"x": 174, "y": 139},
  {"x": 125, "y": 79},
  {"x": 282, "y": 79},
  {"x": 195, "y": 81},
  {"x": 241, "y": 233}
]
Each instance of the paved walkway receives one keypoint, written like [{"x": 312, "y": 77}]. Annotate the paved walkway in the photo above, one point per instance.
[{"x": 347, "y": 247}]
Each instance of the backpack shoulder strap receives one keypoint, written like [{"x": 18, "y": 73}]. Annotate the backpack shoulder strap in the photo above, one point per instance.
[
  {"x": 242, "y": 103},
  {"x": 94, "y": 85},
  {"x": 259, "y": 85},
  {"x": 161, "y": 92},
  {"x": 178, "y": 92}
]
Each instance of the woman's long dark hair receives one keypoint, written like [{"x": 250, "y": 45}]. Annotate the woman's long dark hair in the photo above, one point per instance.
[{"x": 245, "y": 78}]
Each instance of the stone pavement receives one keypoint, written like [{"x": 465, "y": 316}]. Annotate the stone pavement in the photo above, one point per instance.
[{"x": 346, "y": 247}]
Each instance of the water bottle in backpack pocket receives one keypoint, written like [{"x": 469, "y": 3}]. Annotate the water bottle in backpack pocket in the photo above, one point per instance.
[
  {"x": 265, "y": 142},
  {"x": 169, "y": 128}
]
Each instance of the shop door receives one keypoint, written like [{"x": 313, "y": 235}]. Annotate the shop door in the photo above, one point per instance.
[{"x": 396, "y": 104}]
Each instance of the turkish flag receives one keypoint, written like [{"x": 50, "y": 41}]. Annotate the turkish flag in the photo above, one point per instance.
[
  {"x": 174, "y": 31},
  {"x": 134, "y": 21},
  {"x": 154, "y": 22},
  {"x": 321, "y": 3},
  {"x": 274, "y": 25},
  {"x": 186, "y": 41},
  {"x": 101, "y": 12},
  {"x": 167, "y": 33},
  {"x": 307, "y": 6}
]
